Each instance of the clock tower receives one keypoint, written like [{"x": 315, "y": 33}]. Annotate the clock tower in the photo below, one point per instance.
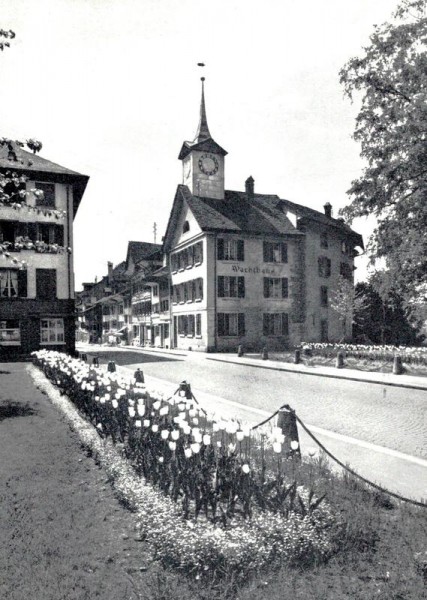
[{"x": 203, "y": 160}]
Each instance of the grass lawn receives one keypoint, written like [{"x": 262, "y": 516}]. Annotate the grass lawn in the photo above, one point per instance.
[{"x": 65, "y": 535}]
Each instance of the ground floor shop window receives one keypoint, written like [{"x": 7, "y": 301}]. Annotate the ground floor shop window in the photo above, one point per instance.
[
  {"x": 275, "y": 324},
  {"x": 10, "y": 334},
  {"x": 231, "y": 324},
  {"x": 52, "y": 331}
]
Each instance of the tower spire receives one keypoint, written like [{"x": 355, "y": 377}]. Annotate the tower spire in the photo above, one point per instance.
[{"x": 202, "y": 133}]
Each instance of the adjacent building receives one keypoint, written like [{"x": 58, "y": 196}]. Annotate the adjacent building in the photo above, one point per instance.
[{"x": 39, "y": 201}]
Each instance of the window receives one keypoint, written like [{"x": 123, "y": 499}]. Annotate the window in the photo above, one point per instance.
[
  {"x": 50, "y": 233},
  {"x": 323, "y": 295},
  {"x": 324, "y": 331},
  {"x": 7, "y": 231},
  {"x": 45, "y": 195},
  {"x": 231, "y": 324},
  {"x": 276, "y": 287},
  {"x": 324, "y": 266},
  {"x": 46, "y": 284},
  {"x": 275, "y": 324},
  {"x": 185, "y": 259},
  {"x": 182, "y": 324},
  {"x": 276, "y": 252},
  {"x": 10, "y": 334},
  {"x": 52, "y": 331},
  {"x": 231, "y": 287},
  {"x": 191, "y": 325},
  {"x": 345, "y": 247},
  {"x": 186, "y": 227},
  {"x": 199, "y": 324},
  {"x": 346, "y": 271},
  {"x": 230, "y": 249},
  {"x": 324, "y": 240},
  {"x": 8, "y": 283}
]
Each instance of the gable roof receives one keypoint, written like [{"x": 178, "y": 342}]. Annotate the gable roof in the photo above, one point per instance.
[
  {"x": 15, "y": 158},
  {"x": 142, "y": 251},
  {"x": 259, "y": 214}
]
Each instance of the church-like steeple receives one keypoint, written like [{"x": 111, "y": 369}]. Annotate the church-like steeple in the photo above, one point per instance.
[
  {"x": 203, "y": 132},
  {"x": 203, "y": 160}
]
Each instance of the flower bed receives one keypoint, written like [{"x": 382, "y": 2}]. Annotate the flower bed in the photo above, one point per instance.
[
  {"x": 411, "y": 355},
  {"x": 211, "y": 497}
]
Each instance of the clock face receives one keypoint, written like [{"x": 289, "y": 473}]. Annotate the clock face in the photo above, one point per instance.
[{"x": 208, "y": 164}]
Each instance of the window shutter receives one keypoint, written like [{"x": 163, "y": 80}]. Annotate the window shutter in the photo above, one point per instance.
[
  {"x": 221, "y": 324},
  {"x": 200, "y": 244},
  {"x": 241, "y": 287},
  {"x": 22, "y": 283},
  {"x": 240, "y": 250},
  {"x": 265, "y": 322},
  {"x": 285, "y": 290},
  {"x": 265, "y": 252},
  {"x": 284, "y": 252},
  {"x": 285, "y": 324},
  {"x": 266, "y": 288},
  {"x": 32, "y": 231},
  {"x": 220, "y": 249},
  {"x": 59, "y": 235},
  {"x": 220, "y": 286},
  {"x": 241, "y": 324}
]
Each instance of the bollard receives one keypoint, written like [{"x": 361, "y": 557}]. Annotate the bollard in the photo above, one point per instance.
[
  {"x": 186, "y": 388},
  {"x": 239, "y": 351},
  {"x": 287, "y": 422},
  {"x": 95, "y": 361},
  {"x": 111, "y": 367},
  {"x": 139, "y": 376},
  {"x": 397, "y": 365},
  {"x": 340, "y": 360},
  {"x": 297, "y": 358},
  {"x": 265, "y": 353},
  {"x": 83, "y": 356}
]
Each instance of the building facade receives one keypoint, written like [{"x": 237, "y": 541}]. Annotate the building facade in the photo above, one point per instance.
[
  {"x": 39, "y": 201},
  {"x": 247, "y": 268}
]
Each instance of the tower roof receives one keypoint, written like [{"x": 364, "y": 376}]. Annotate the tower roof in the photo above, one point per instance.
[{"x": 203, "y": 139}]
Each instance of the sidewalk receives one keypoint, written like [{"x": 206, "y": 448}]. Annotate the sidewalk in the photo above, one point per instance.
[
  {"x": 404, "y": 381},
  {"x": 63, "y": 533}
]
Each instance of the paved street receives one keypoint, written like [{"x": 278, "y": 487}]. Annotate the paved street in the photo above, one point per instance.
[
  {"x": 388, "y": 416},
  {"x": 378, "y": 430}
]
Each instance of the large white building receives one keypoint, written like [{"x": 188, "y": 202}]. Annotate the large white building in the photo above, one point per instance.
[{"x": 249, "y": 268}]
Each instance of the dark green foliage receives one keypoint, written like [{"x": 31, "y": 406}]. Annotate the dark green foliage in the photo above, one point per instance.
[{"x": 391, "y": 77}]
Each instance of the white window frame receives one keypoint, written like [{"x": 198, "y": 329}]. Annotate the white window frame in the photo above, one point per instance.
[
  {"x": 52, "y": 328},
  {"x": 230, "y": 249},
  {"x": 9, "y": 336},
  {"x": 8, "y": 282}
]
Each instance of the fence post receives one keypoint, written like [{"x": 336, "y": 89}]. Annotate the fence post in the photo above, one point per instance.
[
  {"x": 265, "y": 353},
  {"x": 139, "y": 376},
  {"x": 297, "y": 358},
  {"x": 397, "y": 365},
  {"x": 240, "y": 351},
  {"x": 95, "y": 361},
  {"x": 111, "y": 367},
  {"x": 287, "y": 422},
  {"x": 340, "y": 360},
  {"x": 186, "y": 388}
]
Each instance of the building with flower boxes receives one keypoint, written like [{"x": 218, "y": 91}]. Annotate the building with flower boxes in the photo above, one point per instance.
[{"x": 38, "y": 203}]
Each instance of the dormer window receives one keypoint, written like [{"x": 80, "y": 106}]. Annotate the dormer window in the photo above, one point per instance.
[{"x": 186, "y": 227}]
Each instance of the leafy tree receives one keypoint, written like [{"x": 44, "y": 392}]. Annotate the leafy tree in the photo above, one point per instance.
[
  {"x": 381, "y": 318},
  {"x": 391, "y": 78},
  {"x": 346, "y": 303}
]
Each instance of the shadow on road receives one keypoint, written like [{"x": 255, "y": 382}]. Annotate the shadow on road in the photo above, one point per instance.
[{"x": 128, "y": 358}]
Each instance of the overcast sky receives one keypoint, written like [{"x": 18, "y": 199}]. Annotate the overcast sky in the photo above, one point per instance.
[{"x": 112, "y": 89}]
